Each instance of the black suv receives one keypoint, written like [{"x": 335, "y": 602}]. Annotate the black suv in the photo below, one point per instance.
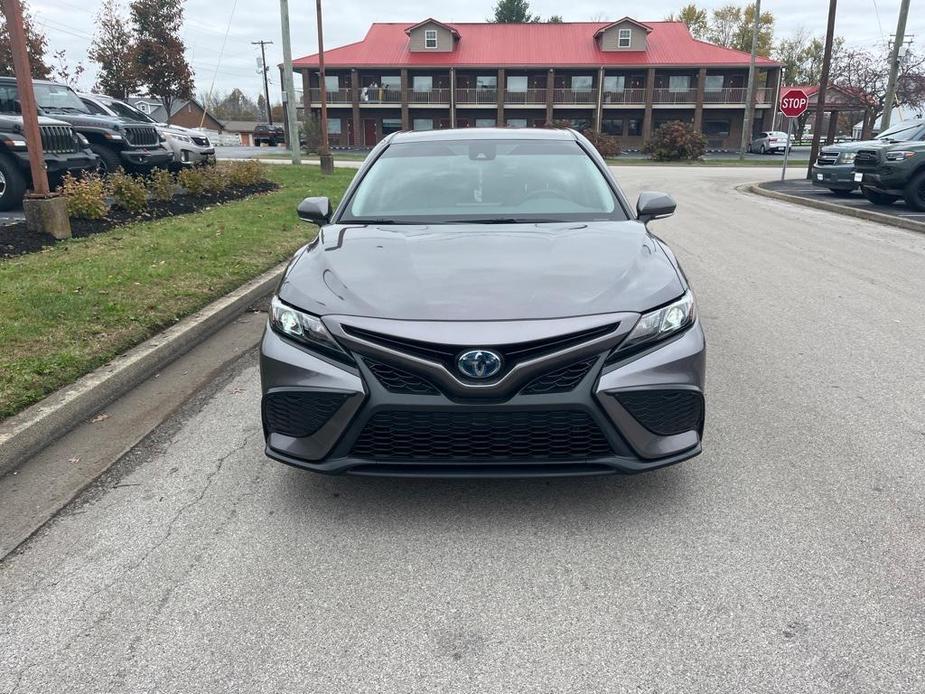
[
  {"x": 893, "y": 172},
  {"x": 64, "y": 149},
  {"x": 117, "y": 143},
  {"x": 271, "y": 134}
]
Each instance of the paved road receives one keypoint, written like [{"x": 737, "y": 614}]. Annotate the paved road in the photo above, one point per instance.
[
  {"x": 788, "y": 558},
  {"x": 804, "y": 189}
]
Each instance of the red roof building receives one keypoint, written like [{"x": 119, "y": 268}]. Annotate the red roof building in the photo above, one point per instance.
[{"x": 623, "y": 78}]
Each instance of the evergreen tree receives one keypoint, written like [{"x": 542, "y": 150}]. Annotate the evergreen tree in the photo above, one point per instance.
[{"x": 160, "y": 64}]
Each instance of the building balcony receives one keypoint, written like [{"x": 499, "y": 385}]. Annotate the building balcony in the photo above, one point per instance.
[
  {"x": 575, "y": 97},
  {"x": 737, "y": 96},
  {"x": 471, "y": 97},
  {"x": 434, "y": 96},
  {"x": 381, "y": 95},
  {"x": 335, "y": 96},
  {"x": 533, "y": 97},
  {"x": 634, "y": 97},
  {"x": 674, "y": 96}
]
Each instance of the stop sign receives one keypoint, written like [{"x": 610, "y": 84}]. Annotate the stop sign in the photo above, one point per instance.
[{"x": 793, "y": 102}]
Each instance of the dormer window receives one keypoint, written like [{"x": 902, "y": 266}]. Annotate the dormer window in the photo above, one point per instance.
[
  {"x": 430, "y": 38},
  {"x": 625, "y": 38}
]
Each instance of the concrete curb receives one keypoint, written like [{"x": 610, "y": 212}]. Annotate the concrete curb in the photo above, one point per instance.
[
  {"x": 26, "y": 433},
  {"x": 869, "y": 215}
]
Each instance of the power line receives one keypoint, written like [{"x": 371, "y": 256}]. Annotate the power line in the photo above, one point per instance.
[{"x": 218, "y": 66}]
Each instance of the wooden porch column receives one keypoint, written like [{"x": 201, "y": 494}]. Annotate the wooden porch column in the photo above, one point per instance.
[
  {"x": 650, "y": 95},
  {"x": 698, "y": 108},
  {"x": 550, "y": 94},
  {"x": 452, "y": 97},
  {"x": 306, "y": 93},
  {"x": 833, "y": 127},
  {"x": 599, "y": 111},
  {"x": 405, "y": 115},
  {"x": 499, "y": 121},
  {"x": 355, "y": 101}
]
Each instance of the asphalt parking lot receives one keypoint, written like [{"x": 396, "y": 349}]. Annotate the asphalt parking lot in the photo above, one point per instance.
[
  {"x": 802, "y": 188},
  {"x": 787, "y": 558}
]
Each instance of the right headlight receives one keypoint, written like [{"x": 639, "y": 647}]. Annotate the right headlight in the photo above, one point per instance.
[
  {"x": 847, "y": 157},
  {"x": 305, "y": 328},
  {"x": 899, "y": 155},
  {"x": 661, "y": 323}
]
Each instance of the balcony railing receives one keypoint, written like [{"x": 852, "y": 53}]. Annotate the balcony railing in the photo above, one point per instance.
[
  {"x": 627, "y": 96},
  {"x": 674, "y": 96},
  {"x": 576, "y": 96},
  {"x": 335, "y": 96},
  {"x": 530, "y": 96},
  {"x": 381, "y": 95},
  {"x": 477, "y": 96},
  {"x": 434, "y": 96}
]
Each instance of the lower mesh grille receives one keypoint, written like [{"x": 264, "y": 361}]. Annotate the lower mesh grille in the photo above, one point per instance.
[
  {"x": 664, "y": 412},
  {"x": 488, "y": 436},
  {"x": 300, "y": 413},
  {"x": 561, "y": 380},
  {"x": 397, "y": 380}
]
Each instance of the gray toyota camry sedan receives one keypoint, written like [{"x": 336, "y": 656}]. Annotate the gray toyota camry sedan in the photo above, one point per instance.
[{"x": 483, "y": 303}]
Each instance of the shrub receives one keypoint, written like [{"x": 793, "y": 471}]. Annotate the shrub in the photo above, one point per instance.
[
  {"x": 86, "y": 196},
  {"x": 161, "y": 184},
  {"x": 674, "y": 141},
  {"x": 311, "y": 133},
  {"x": 193, "y": 180},
  {"x": 215, "y": 180},
  {"x": 127, "y": 192},
  {"x": 607, "y": 145},
  {"x": 242, "y": 174}
]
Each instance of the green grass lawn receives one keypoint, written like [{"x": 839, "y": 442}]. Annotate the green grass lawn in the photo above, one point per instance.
[{"x": 67, "y": 310}]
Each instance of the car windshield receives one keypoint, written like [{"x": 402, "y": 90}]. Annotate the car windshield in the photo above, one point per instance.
[
  {"x": 900, "y": 132},
  {"x": 56, "y": 98},
  {"x": 483, "y": 181},
  {"x": 128, "y": 112}
]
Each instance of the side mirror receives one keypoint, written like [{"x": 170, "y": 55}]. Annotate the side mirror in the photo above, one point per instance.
[
  {"x": 654, "y": 205},
  {"x": 315, "y": 210}
]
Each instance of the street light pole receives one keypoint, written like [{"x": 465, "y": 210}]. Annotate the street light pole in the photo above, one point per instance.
[
  {"x": 750, "y": 103},
  {"x": 894, "y": 66},
  {"x": 823, "y": 87},
  {"x": 324, "y": 154},
  {"x": 291, "y": 126}
]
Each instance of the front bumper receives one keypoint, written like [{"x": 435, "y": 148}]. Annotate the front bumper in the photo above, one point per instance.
[
  {"x": 599, "y": 414},
  {"x": 837, "y": 176},
  {"x": 59, "y": 164},
  {"x": 146, "y": 157},
  {"x": 886, "y": 179}
]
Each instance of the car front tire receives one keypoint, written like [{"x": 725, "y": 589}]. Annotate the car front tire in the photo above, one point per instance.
[
  {"x": 109, "y": 160},
  {"x": 878, "y": 198},
  {"x": 915, "y": 192},
  {"x": 12, "y": 185},
  {"x": 841, "y": 192}
]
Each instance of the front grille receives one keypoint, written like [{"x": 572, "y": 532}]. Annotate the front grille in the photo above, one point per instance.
[
  {"x": 58, "y": 139},
  {"x": 397, "y": 380},
  {"x": 300, "y": 413},
  {"x": 867, "y": 158},
  {"x": 481, "y": 436},
  {"x": 201, "y": 141},
  {"x": 561, "y": 380},
  {"x": 446, "y": 354},
  {"x": 664, "y": 412},
  {"x": 141, "y": 135},
  {"x": 827, "y": 158}
]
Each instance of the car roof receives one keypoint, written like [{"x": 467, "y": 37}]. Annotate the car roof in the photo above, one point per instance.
[{"x": 483, "y": 134}]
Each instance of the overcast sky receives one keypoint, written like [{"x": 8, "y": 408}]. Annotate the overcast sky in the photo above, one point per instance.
[{"x": 69, "y": 24}]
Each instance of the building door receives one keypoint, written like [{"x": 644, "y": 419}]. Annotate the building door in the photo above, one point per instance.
[
  {"x": 350, "y": 138},
  {"x": 463, "y": 122},
  {"x": 369, "y": 131}
]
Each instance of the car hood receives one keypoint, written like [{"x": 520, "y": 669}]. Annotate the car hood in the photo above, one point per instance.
[
  {"x": 11, "y": 122},
  {"x": 81, "y": 120},
  {"x": 481, "y": 272},
  {"x": 855, "y": 146}
]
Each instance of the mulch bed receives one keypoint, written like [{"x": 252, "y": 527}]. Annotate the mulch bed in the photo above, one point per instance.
[{"x": 16, "y": 240}]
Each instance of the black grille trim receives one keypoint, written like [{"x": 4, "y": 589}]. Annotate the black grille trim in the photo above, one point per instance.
[
  {"x": 561, "y": 380},
  {"x": 490, "y": 436},
  {"x": 300, "y": 413},
  {"x": 141, "y": 135},
  {"x": 867, "y": 157},
  {"x": 58, "y": 139},
  {"x": 397, "y": 380},
  {"x": 201, "y": 141},
  {"x": 664, "y": 412}
]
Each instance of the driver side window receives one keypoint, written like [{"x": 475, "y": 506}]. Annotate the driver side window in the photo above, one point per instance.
[
  {"x": 93, "y": 108},
  {"x": 9, "y": 99}
]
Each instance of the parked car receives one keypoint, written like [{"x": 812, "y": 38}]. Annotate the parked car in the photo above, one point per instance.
[
  {"x": 133, "y": 146},
  {"x": 834, "y": 168},
  {"x": 271, "y": 135},
  {"x": 64, "y": 151},
  {"x": 769, "y": 142},
  {"x": 483, "y": 302},
  {"x": 892, "y": 172},
  {"x": 189, "y": 147}
]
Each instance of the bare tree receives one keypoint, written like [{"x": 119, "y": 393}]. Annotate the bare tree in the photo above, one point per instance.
[{"x": 63, "y": 72}]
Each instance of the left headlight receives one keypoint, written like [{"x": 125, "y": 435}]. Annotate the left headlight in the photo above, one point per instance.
[
  {"x": 304, "y": 328},
  {"x": 82, "y": 141},
  {"x": 899, "y": 155},
  {"x": 847, "y": 157},
  {"x": 661, "y": 323}
]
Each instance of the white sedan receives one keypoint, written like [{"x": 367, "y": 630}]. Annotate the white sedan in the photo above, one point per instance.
[{"x": 769, "y": 142}]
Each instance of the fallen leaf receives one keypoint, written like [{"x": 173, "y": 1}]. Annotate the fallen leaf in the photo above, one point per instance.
[
  {"x": 74, "y": 460},
  {"x": 99, "y": 418}
]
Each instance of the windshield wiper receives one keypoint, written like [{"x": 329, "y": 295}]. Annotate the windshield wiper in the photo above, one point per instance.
[
  {"x": 506, "y": 220},
  {"x": 373, "y": 220}
]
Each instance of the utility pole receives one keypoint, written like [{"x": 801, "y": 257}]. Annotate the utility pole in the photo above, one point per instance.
[
  {"x": 823, "y": 87},
  {"x": 324, "y": 154},
  {"x": 750, "y": 97},
  {"x": 291, "y": 125},
  {"x": 895, "y": 57},
  {"x": 263, "y": 66}
]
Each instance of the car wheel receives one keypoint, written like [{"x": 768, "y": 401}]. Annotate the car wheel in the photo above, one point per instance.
[
  {"x": 915, "y": 192},
  {"x": 762, "y": 149},
  {"x": 12, "y": 185},
  {"x": 841, "y": 192},
  {"x": 109, "y": 160},
  {"x": 879, "y": 198}
]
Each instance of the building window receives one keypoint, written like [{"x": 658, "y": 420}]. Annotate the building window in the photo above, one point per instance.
[
  {"x": 334, "y": 126},
  {"x": 517, "y": 84},
  {"x": 391, "y": 125},
  {"x": 624, "y": 38},
  {"x": 331, "y": 83},
  {"x": 716, "y": 128},
  {"x": 517, "y": 122},
  {"x": 614, "y": 83},
  {"x": 391, "y": 82},
  {"x": 486, "y": 82},
  {"x": 423, "y": 124},
  {"x": 143, "y": 107},
  {"x": 582, "y": 83},
  {"x": 484, "y": 122},
  {"x": 430, "y": 38},
  {"x": 423, "y": 83},
  {"x": 612, "y": 126},
  {"x": 679, "y": 83},
  {"x": 634, "y": 127},
  {"x": 713, "y": 83}
]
